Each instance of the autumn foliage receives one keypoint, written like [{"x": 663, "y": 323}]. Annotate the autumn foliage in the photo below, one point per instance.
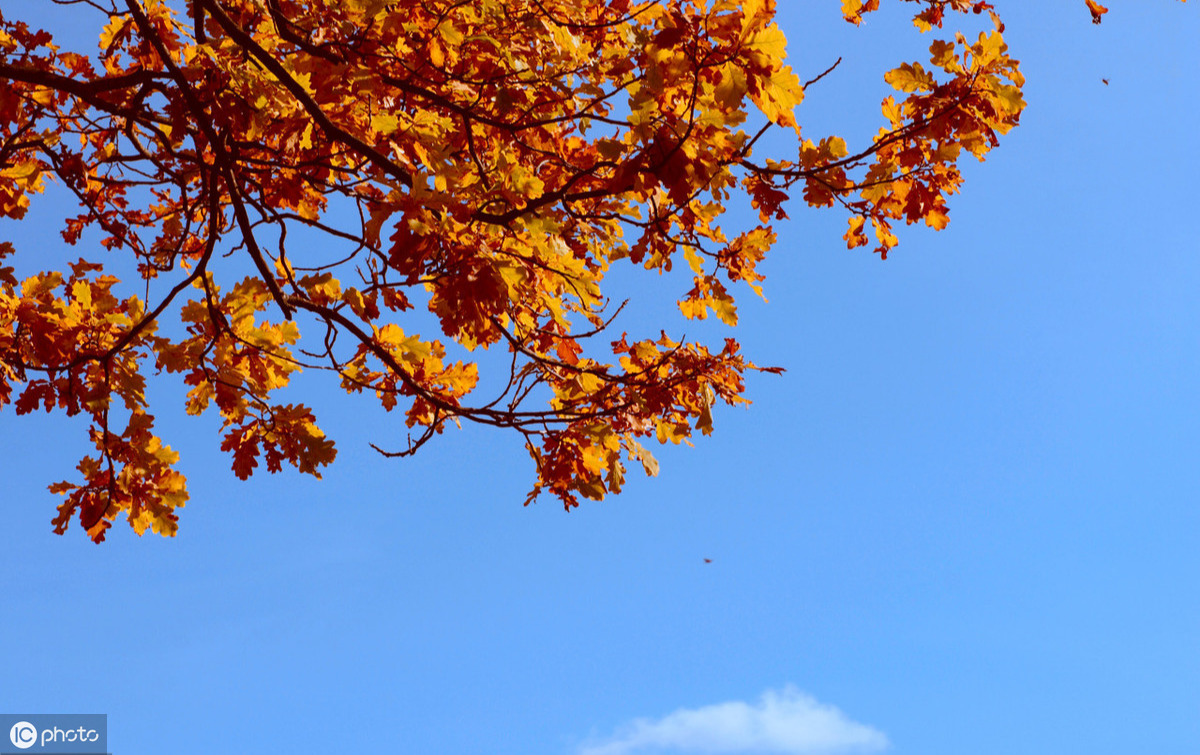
[{"x": 285, "y": 184}]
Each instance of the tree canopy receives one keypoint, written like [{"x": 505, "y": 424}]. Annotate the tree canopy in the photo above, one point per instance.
[{"x": 270, "y": 186}]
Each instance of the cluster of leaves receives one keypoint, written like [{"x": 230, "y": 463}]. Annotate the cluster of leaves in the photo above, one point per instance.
[{"x": 488, "y": 160}]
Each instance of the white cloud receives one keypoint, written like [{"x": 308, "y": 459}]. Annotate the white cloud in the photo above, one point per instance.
[{"x": 783, "y": 721}]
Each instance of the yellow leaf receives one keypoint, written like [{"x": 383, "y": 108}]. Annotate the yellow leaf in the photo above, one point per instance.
[
  {"x": 1009, "y": 97},
  {"x": 989, "y": 48},
  {"x": 638, "y": 452},
  {"x": 937, "y": 218},
  {"x": 770, "y": 41},
  {"x": 369, "y": 8},
  {"x": 855, "y": 236},
  {"x": 704, "y": 421},
  {"x": 726, "y": 311},
  {"x": 115, "y": 25},
  {"x": 354, "y": 298},
  {"x": 942, "y": 56},
  {"x": 779, "y": 94},
  {"x": 836, "y": 146},
  {"x": 385, "y": 123},
  {"x": 526, "y": 183},
  {"x": 910, "y": 77},
  {"x": 437, "y": 55},
  {"x": 450, "y": 34},
  {"x": 732, "y": 87}
]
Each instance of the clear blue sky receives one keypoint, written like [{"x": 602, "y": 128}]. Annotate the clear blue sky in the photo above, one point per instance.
[{"x": 966, "y": 516}]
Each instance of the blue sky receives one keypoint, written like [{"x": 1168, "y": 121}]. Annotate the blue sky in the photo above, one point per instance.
[{"x": 965, "y": 519}]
